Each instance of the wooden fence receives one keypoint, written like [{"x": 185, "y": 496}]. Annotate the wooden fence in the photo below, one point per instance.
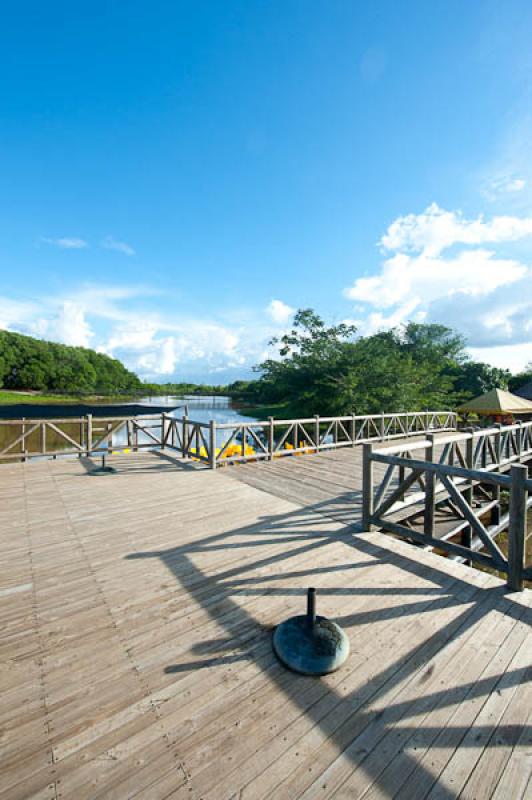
[
  {"x": 216, "y": 443},
  {"x": 450, "y": 471},
  {"x": 30, "y": 438},
  {"x": 212, "y": 443}
]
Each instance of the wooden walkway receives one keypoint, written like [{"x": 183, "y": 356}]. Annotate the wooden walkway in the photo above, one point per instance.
[{"x": 136, "y": 613}]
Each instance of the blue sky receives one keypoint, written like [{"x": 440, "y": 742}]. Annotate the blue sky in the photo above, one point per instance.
[{"x": 178, "y": 177}]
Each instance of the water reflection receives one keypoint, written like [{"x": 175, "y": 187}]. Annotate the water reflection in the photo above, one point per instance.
[{"x": 201, "y": 409}]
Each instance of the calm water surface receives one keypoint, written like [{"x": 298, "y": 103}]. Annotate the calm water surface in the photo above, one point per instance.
[{"x": 201, "y": 409}]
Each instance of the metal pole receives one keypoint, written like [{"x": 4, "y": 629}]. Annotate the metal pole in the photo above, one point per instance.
[{"x": 311, "y": 607}]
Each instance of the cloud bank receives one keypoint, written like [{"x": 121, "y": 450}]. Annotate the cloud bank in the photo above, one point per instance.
[
  {"x": 117, "y": 320},
  {"x": 441, "y": 266}
]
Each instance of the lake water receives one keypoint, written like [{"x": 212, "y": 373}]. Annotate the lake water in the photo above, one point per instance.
[{"x": 201, "y": 409}]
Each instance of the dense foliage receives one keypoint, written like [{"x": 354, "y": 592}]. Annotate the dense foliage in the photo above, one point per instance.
[
  {"x": 521, "y": 379},
  {"x": 28, "y": 363},
  {"x": 183, "y": 388},
  {"x": 325, "y": 370}
]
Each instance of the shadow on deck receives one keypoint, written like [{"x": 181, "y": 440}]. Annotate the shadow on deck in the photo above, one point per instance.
[{"x": 370, "y": 730}]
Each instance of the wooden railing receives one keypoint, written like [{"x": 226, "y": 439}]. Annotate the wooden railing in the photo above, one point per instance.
[
  {"x": 222, "y": 443},
  {"x": 453, "y": 471},
  {"x": 30, "y": 438},
  {"x": 211, "y": 443}
]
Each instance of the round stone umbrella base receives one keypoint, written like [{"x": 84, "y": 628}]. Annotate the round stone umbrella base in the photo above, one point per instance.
[
  {"x": 103, "y": 471},
  {"x": 310, "y": 649}
]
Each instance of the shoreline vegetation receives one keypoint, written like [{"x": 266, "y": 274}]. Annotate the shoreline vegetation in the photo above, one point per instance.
[{"x": 313, "y": 369}]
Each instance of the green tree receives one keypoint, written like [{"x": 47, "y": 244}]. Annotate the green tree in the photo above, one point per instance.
[
  {"x": 324, "y": 370},
  {"x": 475, "y": 377},
  {"x": 28, "y": 363},
  {"x": 521, "y": 379},
  {"x": 313, "y": 367}
]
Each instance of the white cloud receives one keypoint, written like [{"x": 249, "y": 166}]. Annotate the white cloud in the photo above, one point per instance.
[
  {"x": 279, "y": 312},
  {"x": 422, "y": 278},
  {"x": 435, "y": 230},
  {"x": 66, "y": 242},
  {"x": 110, "y": 243},
  {"x": 502, "y": 185},
  {"x": 12, "y": 312},
  {"x": 511, "y": 356},
  {"x": 67, "y": 325},
  {"x": 484, "y": 293},
  {"x": 117, "y": 320},
  {"x": 156, "y": 346}
]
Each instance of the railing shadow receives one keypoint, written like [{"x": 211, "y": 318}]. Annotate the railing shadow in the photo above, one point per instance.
[{"x": 348, "y": 717}]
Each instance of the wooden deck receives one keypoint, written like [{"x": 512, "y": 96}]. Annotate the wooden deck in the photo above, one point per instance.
[{"x": 136, "y": 662}]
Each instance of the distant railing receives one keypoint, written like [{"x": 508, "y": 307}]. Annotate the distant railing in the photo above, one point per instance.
[
  {"x": 222, "y": 443},
  {"x": 447, "y": 471},
  {"x": 210, "y": 442}
]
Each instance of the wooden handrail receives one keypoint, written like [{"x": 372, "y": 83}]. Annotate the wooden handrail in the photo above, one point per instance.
[{"x": 446, "y": 483}]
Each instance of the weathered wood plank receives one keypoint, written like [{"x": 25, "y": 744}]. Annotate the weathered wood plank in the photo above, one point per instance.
[{"x": 136, "y": 619}]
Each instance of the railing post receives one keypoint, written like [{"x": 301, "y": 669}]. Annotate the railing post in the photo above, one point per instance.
[
  {"x": 317, "y": 431},
  {"x": 466, "y": 537},
  {"x": 43, "y": 438},
  {"x": 495, "y": 516},
  {"x": 367, "y": 487},
  {"x": 185, "y": 436},
  {"x": 427, "y": 419},
  {"x": 430, "y": 490},
  {"x": 23, "y": 440},
  {"x": 382, "y": 425},
  {"x": 519, "y": 438},
  {"x": 271, "y": 438},
  {"x": 353, "y": 429},
  {"x": 212, "y": 443},
  {"x": 517, "y": 529},
  {"x": 89, "y": 434}
]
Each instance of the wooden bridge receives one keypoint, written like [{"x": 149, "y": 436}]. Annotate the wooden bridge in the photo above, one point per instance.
[{"x": 137, "y": 609}]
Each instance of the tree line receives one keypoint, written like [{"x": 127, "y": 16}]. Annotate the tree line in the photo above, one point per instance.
[
  {"x": 28, "y": 363},
  {"x": 328, "y": 370},
  {"x": 314, "y": 369}
]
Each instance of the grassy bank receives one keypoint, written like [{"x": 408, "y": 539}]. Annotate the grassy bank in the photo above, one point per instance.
[{"x": 38, "y": 398}]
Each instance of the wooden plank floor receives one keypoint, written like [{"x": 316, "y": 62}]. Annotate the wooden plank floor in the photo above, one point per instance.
[
  {"x": 136, "y": 613},
  {"x": 330, "y": 483}
]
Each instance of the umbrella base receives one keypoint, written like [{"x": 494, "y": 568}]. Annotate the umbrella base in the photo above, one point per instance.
[{"x": 310, "y": 649}]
